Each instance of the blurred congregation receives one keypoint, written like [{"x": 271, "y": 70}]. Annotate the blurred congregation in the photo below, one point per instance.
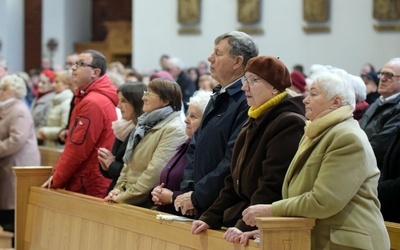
[{"x": 236, "y": 134}]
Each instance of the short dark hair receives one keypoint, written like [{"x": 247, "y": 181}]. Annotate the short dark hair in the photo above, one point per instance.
[
  {"x": 99, "y": 60},
  {"x": 133, "y": 93},
  {"x": 169, "y": 91}
]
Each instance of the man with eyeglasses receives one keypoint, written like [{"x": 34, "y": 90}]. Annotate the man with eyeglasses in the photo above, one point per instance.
[
  {"x": 89, "y": 129},
  {"x": 210, "y": 149},
  {"x": 381, "y": 119},
  {"x": 70, "y": 60}
]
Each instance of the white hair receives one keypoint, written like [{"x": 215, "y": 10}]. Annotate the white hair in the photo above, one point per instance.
[
  {"x": 336, "y": 82},
  {"x": 359, "y": 88},
  {"x": 116, "y": 78},
  {"x": 175, "y": 61},
  {"x": 200, "y": 99},
  {"x": 14, "y": 83}
]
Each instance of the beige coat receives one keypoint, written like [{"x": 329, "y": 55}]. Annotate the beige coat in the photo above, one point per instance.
[
  {"x": 149, "y": 158},
  {"x": 333, "y": 178},
  {"x": 18, "y": 147},
  {"x": 57, "y": 118}
]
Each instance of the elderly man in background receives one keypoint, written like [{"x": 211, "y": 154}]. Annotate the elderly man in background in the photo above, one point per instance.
[
  {"x": 382, "y": 118},
  {"x": 210, "y": 149},
  {"x": 177, "y": 69}
]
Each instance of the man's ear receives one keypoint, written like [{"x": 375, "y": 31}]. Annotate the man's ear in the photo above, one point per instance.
[
  {"x": 337, "y": 102},
  {"x": 97, "y": 72},
  {"x": 238, "y": 62}
]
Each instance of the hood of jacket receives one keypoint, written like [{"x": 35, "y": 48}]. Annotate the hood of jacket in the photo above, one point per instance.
[{"x": 101, "y": 85}]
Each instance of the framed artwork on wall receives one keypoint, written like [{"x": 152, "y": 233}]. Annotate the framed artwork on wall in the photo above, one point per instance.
[
  {"x": 249, "y": 11},
  {"x": 316, "y": 10},
  {"x": 386, "y": 10},
  {"x": 189, "y": 11},
  {"x": 316, "y": 15},
  {"x": 249, "y": 15}
]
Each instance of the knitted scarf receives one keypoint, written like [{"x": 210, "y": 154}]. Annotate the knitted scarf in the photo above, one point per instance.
[
  {"x": 145, "y": 122},
  {"x": 254, "y": 113}
]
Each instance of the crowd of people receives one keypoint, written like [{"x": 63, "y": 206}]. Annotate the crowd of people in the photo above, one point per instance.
[{"x": 232, "y": 139}]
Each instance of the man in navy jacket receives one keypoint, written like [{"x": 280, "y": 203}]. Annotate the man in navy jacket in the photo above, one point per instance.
[{"x": 210, "y": 150}]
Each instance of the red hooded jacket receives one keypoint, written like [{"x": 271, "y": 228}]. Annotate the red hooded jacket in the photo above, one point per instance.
[{"x": 77, "y": 169}]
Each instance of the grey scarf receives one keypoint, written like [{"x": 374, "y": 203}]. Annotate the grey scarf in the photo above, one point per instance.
[{"x": 145, "y": 122}]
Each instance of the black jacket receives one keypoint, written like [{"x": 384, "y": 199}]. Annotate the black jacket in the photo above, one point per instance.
[{"x": 389, "y": 182}]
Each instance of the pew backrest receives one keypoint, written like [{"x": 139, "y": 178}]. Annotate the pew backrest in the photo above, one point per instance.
[
  {"x": 394, "y": 234},
  {"x": 49, "y": 156}
]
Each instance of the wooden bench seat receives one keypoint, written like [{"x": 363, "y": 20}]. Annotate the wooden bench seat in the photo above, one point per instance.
[
  {"x": 59, "y": 219},
  {"x": 394, "y": 234},
  {"x": 49, "y": 156}
]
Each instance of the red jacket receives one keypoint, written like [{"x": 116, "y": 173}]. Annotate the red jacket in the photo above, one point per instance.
[{"x": 90, "y": 128}]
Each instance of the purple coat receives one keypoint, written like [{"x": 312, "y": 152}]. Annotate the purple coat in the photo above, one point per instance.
[{"x": 172, "y": 176}]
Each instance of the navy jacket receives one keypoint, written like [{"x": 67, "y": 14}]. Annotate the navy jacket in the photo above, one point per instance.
[{"x": 210, "y": 150}]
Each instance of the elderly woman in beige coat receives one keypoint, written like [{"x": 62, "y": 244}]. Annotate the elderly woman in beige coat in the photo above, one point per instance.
[
  {"x": 18, "y": 145},
  {"x": 334, "y": 176}
]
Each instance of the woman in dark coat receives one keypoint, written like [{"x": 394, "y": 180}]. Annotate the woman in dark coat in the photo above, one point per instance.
[
  {"x": 263, "y": 150},
  {"x": 130, "y": 103}
]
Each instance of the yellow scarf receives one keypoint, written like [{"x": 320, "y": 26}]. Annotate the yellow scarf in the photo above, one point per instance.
[{"x": 254, "y": 113}]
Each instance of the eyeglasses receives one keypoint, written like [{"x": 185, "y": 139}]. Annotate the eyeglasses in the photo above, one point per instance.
[
  {"x": 250, "y": 81},
  {"x": 83, "y": 64},
  {"x": 148, "y": 93},
  {"x": 387, "y": 75}
]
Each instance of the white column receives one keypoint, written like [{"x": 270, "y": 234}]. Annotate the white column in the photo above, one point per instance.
[
  {"x": 68, "y": 22},
  {"x": 11, "y": 33}
]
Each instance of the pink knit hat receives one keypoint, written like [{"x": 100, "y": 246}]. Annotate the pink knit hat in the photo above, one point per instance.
[{"x": 162, "y": 74}]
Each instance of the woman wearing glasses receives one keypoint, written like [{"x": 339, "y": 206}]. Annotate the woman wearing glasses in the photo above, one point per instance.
[
  {"x": 130, "y": 104},
  {"x": 159, "y": 131},
  {"x": 263, "y": 150}
]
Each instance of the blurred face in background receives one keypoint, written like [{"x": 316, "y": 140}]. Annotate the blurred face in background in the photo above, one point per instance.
[
  {"x": 389, "y": 83},
  {"x": 44, "y": 85},
  {"x": 59, "y": 84}
]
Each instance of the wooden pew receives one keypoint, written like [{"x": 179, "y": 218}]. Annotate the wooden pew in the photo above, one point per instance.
[
  {"x": 58, "y": 219},
  {"x": 5, "y": 239},
  {"x": 394, "y": 234},
  {"x": 25, "y": 178},
  {"x": 49, "y": 156}
]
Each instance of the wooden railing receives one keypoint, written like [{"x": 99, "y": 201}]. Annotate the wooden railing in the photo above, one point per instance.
[
  {"x": 394, "y": 234},
  {"x": 49, "y": 156},
  {"x": 5, "y": 239},
  {"x": 59, "y": 219}
]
